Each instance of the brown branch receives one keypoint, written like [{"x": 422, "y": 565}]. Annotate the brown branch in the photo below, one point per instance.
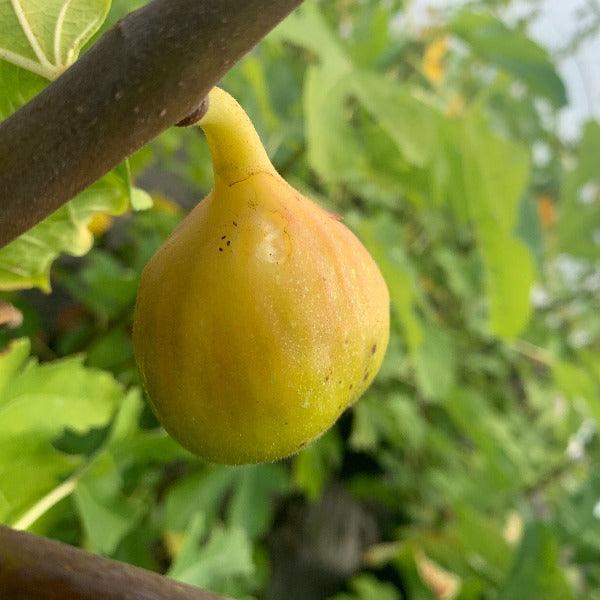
[
  {"x": 147, "y": 73},
  {"x": 34, "y": 568}
]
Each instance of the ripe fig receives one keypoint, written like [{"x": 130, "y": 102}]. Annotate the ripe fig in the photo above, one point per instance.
[{"x": 262, "y": 317}]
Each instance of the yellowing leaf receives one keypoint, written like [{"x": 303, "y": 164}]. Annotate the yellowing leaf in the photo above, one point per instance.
[
  {"x": 433, "y": 66},
  {"x": 546, "y": 211},
  {"x": 444, "y": 584}
]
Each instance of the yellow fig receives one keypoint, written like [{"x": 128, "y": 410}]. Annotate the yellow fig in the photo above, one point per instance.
[{"x": 262, "y": 317}]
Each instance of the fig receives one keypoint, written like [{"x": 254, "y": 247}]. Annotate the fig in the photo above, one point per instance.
[{"x": 262, "y": 317}]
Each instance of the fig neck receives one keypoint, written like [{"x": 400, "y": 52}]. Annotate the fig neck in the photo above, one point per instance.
[{"x": 236, "y": 150}]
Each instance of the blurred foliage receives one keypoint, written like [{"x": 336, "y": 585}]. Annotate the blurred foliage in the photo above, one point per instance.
[{"x": 470, "y": 469}]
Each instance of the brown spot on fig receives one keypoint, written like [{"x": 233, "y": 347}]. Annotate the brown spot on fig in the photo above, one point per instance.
[
  {"x": 373, "y": 348},
  {"x": 234, "y": 224},
  {"x": 220, "y": 249}
]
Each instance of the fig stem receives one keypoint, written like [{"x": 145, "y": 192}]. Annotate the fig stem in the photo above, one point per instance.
[
  {"x": 235, "y": 146},
  {"x": 195, "y": 116}
]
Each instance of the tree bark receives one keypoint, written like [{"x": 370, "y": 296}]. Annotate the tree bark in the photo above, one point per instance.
[
  {"x": 34, "y": 568},
  {"x": 147, "y": 73}
]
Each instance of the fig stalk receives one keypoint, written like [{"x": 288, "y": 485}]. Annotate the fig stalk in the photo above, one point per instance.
[{"x": 235, "y": 148}]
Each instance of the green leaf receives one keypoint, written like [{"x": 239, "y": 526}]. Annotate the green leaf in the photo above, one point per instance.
[
  {"x": 313, "y": 465},
  {"x": 393, "y": 418},
  {"x": 368, "y": 587},
  {"x": 502, "y": 460},
  {"x": 372, "y": 34},
  {"x": 111, "y": 351},
  {"x": 106, "y": 514},
  {"x": 12, "y": 359},
  {"x": 104, "y": 286},
  {"x": 126, "y": 423},
  {"x": 510, "y": 276},
  {"x": 578, "y": 519},
  {"x": 54, "y": 396},
  {"x": 326, "y": 90},
  {"x": 254, "y": 73},
  {"x": 26, "y": 261},
  {"x": 37, "y": 404},
  {"x": 139, "y": 199},
  {"x": 495, "y": 173},
  {"x": 410, "y": 123},
  {"x": 227, "y": 554},
  {"x": 578, "y": 218},
  {"x": 383, "y": 238},
  {"x": 435, "y": 363},
  {"x": 578, "y": 384},
  {"x": 251, "y": 507},
  {"x": 321, "y": 41},
  {"x": 46, "y": 36},
  {"x": 29, "y": 468},
  {"x": 251, "y": 489},
  {"x": 536, "y": 572},
  {"x": 17, "y": 86},
  {"x": 201, "y": 491},
  {"x": 512, "y": 51},
  {"x": 530, "y": 229},
  {"x": 472, "y": 525}
]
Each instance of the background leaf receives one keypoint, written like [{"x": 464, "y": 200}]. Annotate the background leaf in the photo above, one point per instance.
[
  {"x": 536, "y": 573},
  {"x": 513, "y": 51}
]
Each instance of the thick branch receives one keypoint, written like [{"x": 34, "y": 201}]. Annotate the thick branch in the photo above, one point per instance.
[
  {"x": 36, "y": 568},
  {"x": 147, "y": 73}
]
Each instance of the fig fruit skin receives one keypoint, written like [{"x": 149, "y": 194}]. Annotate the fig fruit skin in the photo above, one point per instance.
[{"x": 262, "y": 317}]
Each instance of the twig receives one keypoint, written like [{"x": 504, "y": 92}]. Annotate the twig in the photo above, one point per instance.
[{"x": 535, "y": 353}]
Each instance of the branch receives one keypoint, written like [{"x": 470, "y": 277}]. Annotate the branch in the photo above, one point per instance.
[
  {"x": 147, "y": 73},
  {"x": 34, "y": 567}
]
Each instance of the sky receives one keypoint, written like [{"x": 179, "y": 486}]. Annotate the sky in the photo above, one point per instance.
[{"x": 556, "y": 25}]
